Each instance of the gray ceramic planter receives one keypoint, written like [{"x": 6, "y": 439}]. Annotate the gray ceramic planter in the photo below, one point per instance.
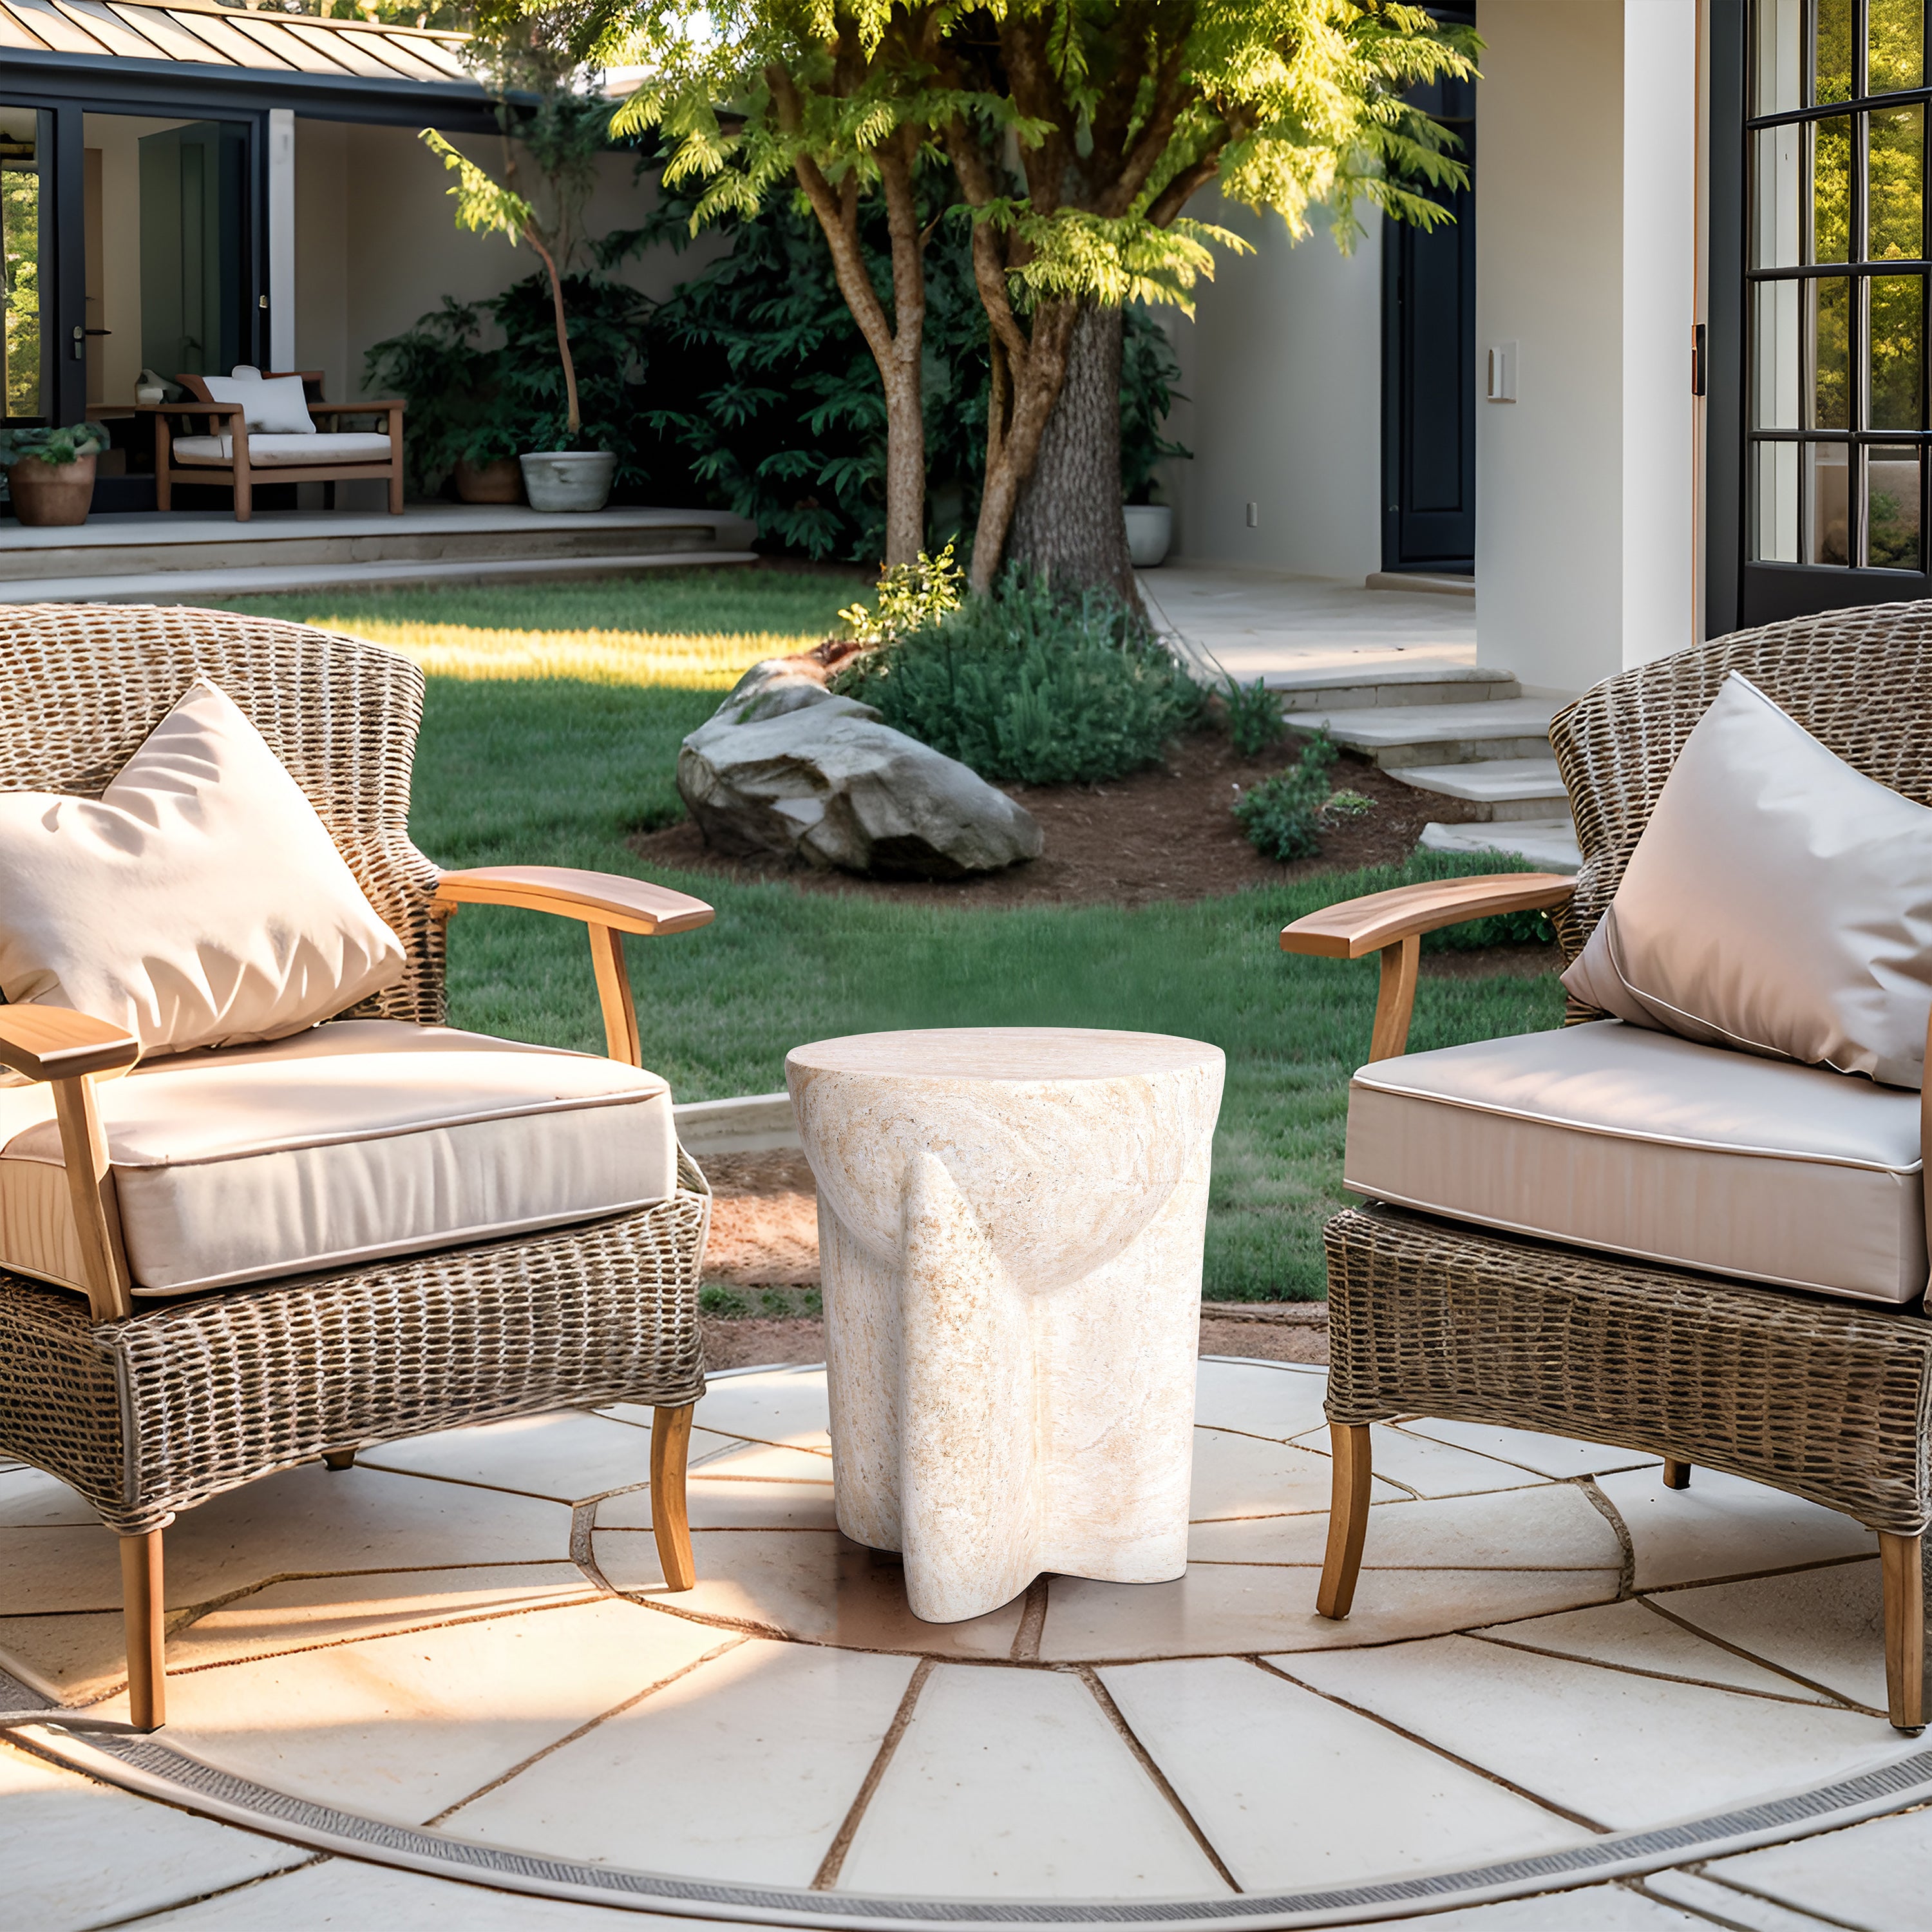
[
  {"x": 568, "y": 479},
  {"x": 1149, "y": 531}
]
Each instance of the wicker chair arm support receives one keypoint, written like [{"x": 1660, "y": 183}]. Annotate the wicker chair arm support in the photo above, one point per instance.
[
  {"x": 56, "y": 1043},
  {"x": 1392, "y": 924}
]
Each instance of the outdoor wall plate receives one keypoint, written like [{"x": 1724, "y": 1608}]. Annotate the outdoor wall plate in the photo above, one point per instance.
[{"x": 1499, "y": 385}]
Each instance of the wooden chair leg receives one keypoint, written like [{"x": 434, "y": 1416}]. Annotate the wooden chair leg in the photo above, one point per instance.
[
  {"x": 1348, "y": 1517},
  {"x": 670, "y": 1523},
  {"x": 1676, "y": 1475},
  {"x": 143, "y": 1607},
  {"x": 1901, "y": 1558}
]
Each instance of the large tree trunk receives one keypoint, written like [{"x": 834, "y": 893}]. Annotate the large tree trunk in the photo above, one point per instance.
[{"x": 1068, "y": 525}]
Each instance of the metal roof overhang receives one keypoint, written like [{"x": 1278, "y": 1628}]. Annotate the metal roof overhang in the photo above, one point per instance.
[{"x": 206, "y": 59}]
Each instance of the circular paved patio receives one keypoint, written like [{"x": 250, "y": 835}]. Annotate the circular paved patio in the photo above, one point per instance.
[{"x": 459, "y": 1657}]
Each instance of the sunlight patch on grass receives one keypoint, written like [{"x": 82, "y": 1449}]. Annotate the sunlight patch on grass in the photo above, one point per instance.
[{"x": 690, "y": 662}]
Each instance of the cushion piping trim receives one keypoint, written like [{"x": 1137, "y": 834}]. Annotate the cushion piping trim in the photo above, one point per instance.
[
  {"x": 1554, "y": 1120},
  {"x": 348, "y": 1137}
]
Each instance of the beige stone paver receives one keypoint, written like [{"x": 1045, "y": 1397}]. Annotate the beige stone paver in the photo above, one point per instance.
[{"x": 433, "y": 1641}]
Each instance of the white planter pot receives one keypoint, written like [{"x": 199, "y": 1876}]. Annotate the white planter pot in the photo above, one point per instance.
[
  {"x": 1149, "y": 531},
  {"x": 568, "y": 479}
]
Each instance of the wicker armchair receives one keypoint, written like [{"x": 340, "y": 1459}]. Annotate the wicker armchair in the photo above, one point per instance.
[
  {"x": 147, "y": 1408},
  {"x": 1825, "y": 1398}
]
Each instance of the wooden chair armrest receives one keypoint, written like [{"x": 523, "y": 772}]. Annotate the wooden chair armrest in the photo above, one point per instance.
[
  {"x": 609, "y": 906},
  {"x": 63, "y": 1047},
  {"x": 56, "y": 1043},
  {"x": 598, "y": 898},
  {"x": 1392, "y": 924},
  {"x": 356, "y": 408},
  {"x": 191, "y": 408}
]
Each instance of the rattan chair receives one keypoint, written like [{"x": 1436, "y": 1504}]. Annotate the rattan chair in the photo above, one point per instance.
[
  {"x": 1824, "y": 1398},
  {"x": 149, "y": 1408}
]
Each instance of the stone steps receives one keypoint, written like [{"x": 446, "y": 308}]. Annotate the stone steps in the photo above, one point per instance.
[
  {"x": 1497, "y": 789},
  {"x": 192, "y": 586},
  {"x": 1397, "y": 736},
  {"x": 1377, "y": 686},
  {"x": 1549, "y": 844}
]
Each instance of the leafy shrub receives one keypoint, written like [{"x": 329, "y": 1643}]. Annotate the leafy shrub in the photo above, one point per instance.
[
  {"x": 51, "y": 445},
  {"x": 912, "y": 597},
  {"x": 1282, "y": 815},
  {"x": 1030, "y": 684},
  {"x": 777, "y": 408},
  {"x": 1253, "y": 715},
  {"x": 473, "y": 404}
]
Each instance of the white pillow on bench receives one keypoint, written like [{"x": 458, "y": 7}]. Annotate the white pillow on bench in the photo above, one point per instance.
[{"x": 276, "y": 405}]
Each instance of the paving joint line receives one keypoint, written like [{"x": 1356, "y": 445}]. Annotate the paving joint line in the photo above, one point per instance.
[{"x": 833, "y": 1862}]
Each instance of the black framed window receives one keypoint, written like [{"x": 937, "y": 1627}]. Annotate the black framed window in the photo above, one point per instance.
[{"x": 1836, "y": 460}]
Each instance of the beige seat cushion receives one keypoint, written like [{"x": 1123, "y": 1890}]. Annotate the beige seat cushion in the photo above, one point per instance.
[
  {"x": 355, "y": 1140},
  {"x": 269, "y": 452},
  {"x": 199, "y": 902},
  {"x": 1612, "y": 1136}
]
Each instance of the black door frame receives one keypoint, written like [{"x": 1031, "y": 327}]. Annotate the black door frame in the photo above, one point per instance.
[
  {"x": 1739, "y": 591},
  {"x": 1396, "y": 238}
]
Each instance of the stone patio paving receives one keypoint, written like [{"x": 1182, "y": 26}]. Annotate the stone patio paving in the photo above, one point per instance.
[{"x": 459, "y": 1657}]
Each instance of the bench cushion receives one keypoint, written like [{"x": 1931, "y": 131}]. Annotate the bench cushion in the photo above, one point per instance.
[
  {"x": 1611, "y": 1136},
  {"x": 270, "y": 452},
  {"x": 358, "y": 1139}
]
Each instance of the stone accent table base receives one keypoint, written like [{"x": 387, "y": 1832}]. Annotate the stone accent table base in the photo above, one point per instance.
[{"x": 1010, "y": 1226}]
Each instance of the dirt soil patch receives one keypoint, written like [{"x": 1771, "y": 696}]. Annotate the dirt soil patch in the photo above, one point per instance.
[
  {"x": 763, "y": 1254},
  {"x": 1169, "y": 833}
]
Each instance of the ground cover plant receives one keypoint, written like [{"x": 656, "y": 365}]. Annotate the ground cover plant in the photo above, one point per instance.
[
  {"x": 553, "y": 720},
  {"x": 1022, "y": 681}
]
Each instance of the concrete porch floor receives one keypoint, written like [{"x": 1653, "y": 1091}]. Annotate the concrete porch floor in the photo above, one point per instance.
[
  {"x": 447, "y": 1688},
  {"x": 1288, "y": 629}
]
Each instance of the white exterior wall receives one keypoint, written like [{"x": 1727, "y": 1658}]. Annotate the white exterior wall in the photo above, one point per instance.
[
  {"x": 377, "y": 243},
  {"x": 1586, "y": 497},
  {"x": 1282, "y": 368}
]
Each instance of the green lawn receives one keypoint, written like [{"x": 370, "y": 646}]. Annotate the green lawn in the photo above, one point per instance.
[{"x": 554, "y": 714}]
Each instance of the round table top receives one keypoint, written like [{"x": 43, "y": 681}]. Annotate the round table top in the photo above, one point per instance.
[{"x": 1014, "y": 1054}]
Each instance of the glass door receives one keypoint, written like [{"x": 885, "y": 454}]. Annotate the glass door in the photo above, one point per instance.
[
  {"x": 25, "y": 225},
  {"x": 1835, "y": 306}
]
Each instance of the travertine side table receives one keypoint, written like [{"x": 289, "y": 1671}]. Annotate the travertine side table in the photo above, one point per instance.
[{"x": 1009, "y": 1226}]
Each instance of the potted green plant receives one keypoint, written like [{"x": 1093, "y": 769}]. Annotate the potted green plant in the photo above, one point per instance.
[
  {"x": 1148, "y": 373},
  {"x": 50, "y": 473},
  {"x": 463, "y": 423},
  {"x": 562, "y": 135}
]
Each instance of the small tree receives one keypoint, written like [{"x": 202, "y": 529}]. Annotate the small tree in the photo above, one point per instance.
[
  {"x": 1079, "y": 130},
  {"x": 562, "y": 130},
  {"x": 1126, "y": 110},
  {"x": 834, "y": 94}
]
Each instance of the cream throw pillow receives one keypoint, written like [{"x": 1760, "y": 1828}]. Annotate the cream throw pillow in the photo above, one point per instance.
[
  {"x": 198, "y": 902},
  {"x": 1777, "y": 900}
]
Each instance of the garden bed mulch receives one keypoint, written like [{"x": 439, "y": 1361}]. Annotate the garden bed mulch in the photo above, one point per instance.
[
  {"x": 763, "y": 1258},
  {"x": 1169, "y": 833}
]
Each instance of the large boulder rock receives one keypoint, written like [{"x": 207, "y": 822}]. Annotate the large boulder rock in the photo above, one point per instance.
[{"x": 783, "y": 766}]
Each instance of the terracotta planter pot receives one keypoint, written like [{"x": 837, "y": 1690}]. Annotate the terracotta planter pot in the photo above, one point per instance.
[
  {"x": 50, "y": 495},
  {"x": 501, "y": 482}
]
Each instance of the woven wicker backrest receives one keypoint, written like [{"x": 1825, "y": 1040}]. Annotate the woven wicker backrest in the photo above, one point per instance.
[
  {"x": 85, "y": 684},
  {"x": 1859, "y": 680}
]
